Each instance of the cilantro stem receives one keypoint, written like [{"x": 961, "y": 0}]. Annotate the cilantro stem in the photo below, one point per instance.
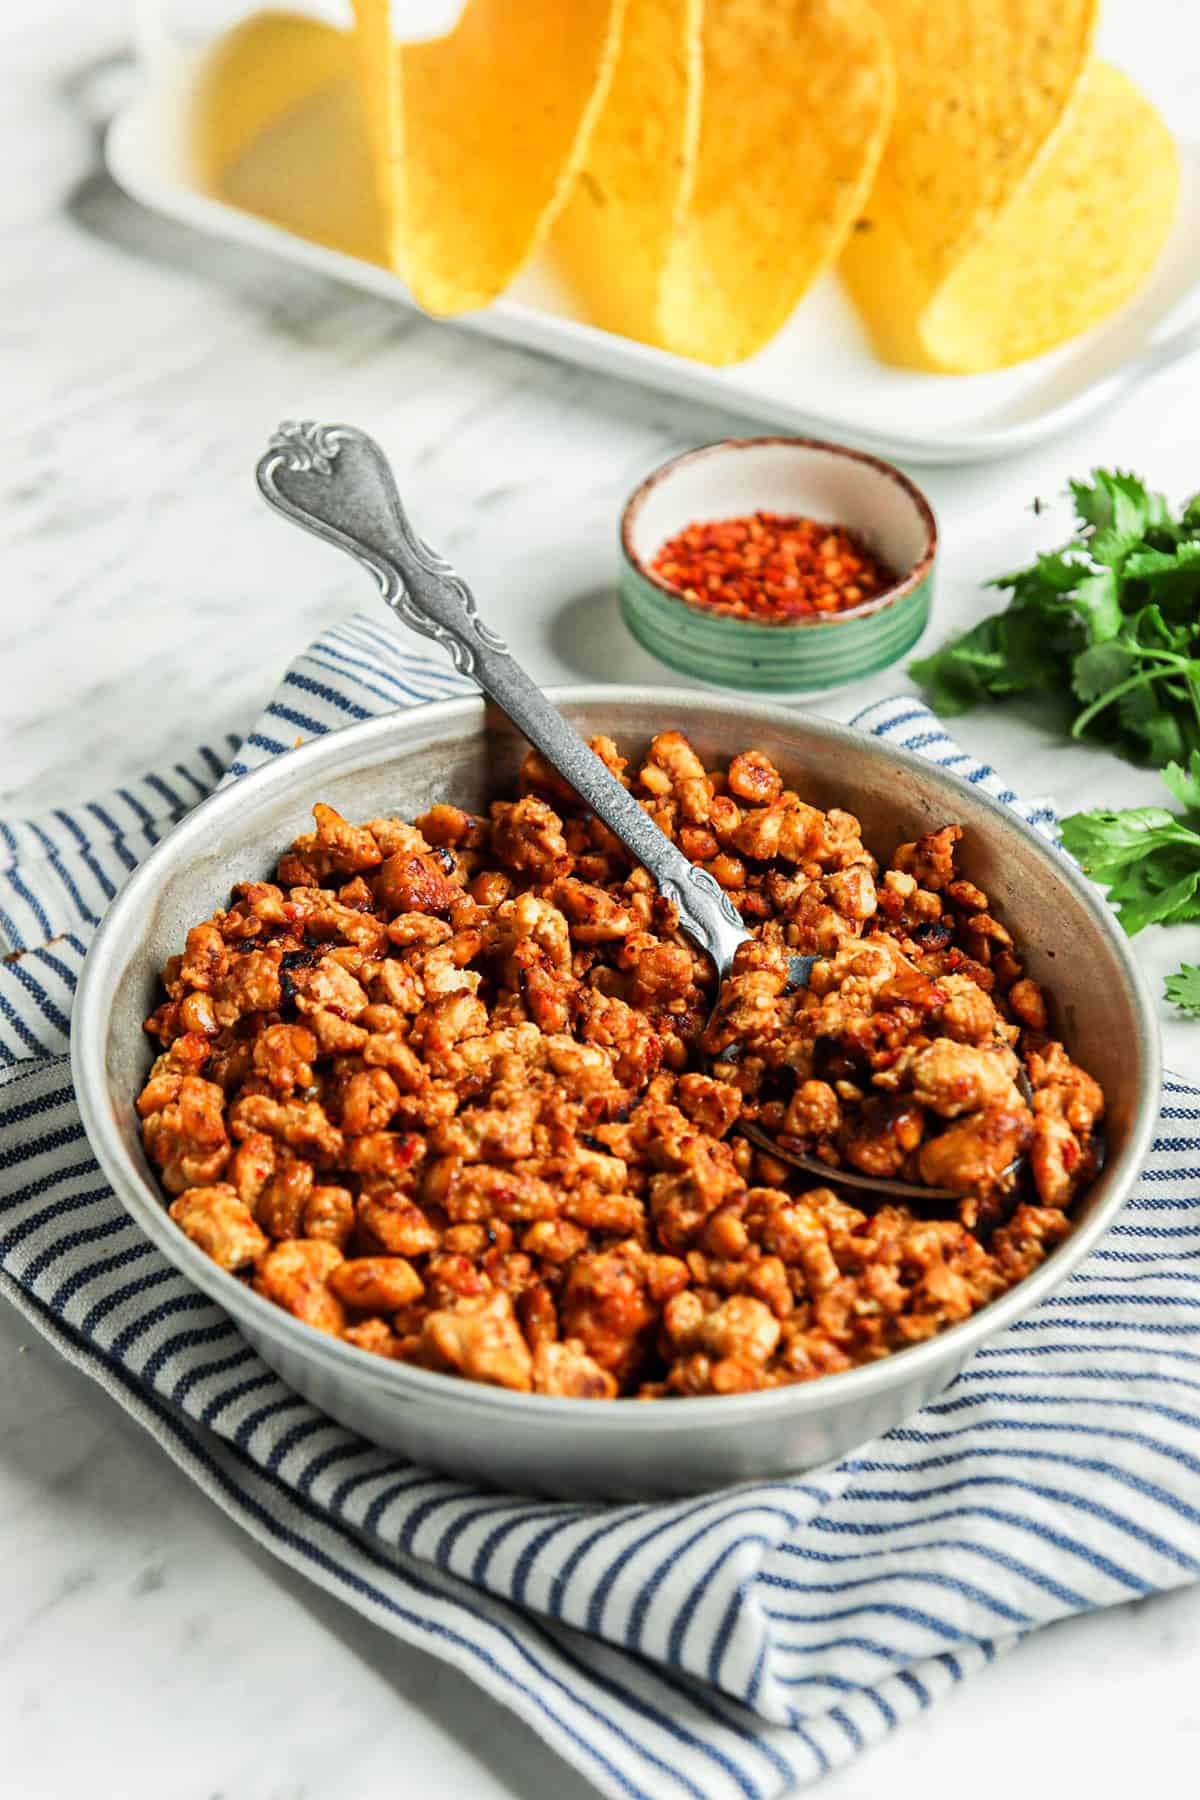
[
  {"x": 1186, "y": 665},
  {"x": 1148, "y": 654},
  {"x": 1189, "y": 681},
  {"x": 1173, "y": 665}
]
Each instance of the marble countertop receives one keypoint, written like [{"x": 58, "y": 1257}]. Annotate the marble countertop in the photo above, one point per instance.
[{"x": 147, "y": 601}]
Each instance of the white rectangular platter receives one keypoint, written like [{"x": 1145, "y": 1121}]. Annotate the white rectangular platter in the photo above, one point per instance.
[{"x": 817, "y": 377}]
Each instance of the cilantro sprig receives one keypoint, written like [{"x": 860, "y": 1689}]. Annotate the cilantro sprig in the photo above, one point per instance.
[
  {"x": 1111, "y": 621},
  {"x": 1149, "y": 860},
  {"x": 1183, "y": 989},
  {"x": 1110, "y": 625}
]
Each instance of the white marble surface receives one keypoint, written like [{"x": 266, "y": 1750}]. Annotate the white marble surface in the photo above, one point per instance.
[{"x": 146, "y": 600}]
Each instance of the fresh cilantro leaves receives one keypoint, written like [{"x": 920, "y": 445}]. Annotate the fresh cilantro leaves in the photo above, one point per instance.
[
  {"x": 1149, "y": 860},
  {"x": 1185, "y": 783},
  {"x": 1183, "y": 989},
  {"x": 1112, "y": 619},
  {"x": 1109, "y": 623}
]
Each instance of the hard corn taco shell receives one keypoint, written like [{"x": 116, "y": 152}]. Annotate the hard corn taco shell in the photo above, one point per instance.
[
  {"x": 479, "y": 134},
  {"x": 277, "y": 129},
  {"x": 1024, "y": 191},
  {"x": 797, "y": 100},
  {"x": 1078, "y": 240},
  {"x": 612, "y": 239},
  {"x": 981, "y": 85}
]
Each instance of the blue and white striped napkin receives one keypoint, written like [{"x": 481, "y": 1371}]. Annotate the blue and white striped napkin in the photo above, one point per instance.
[{"x": 724, "y": 1648}]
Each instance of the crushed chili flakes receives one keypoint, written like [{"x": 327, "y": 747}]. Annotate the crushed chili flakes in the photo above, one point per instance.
[{"x": 771, "y": 567}]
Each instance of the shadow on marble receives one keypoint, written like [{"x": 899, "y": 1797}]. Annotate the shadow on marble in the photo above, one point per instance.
[
  {"x": 588, "y": 634},
  {"x": 295, "y": 303}
]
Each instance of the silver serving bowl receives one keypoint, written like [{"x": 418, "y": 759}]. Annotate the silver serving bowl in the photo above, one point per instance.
[{"x": 463, "y": 750}]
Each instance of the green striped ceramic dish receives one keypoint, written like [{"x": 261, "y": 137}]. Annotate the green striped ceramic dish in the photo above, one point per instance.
[{"x": 785, "y": 475}]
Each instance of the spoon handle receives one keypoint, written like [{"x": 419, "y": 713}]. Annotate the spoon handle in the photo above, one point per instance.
[{"x": 337, "y": 483}]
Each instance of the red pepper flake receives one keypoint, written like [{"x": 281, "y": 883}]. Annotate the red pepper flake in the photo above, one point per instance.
[{"x": 771, "y": 567}]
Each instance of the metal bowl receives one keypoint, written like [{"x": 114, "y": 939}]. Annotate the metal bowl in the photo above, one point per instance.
[{"x": 463, "y": 750}]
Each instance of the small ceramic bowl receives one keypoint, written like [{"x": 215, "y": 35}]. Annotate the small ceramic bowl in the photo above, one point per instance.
[{"x": 783, "y": 475}]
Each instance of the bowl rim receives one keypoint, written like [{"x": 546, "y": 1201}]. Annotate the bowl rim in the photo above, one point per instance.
[
  {"x": 143, "y": 1199},
  {"x": 899, "y": 590}
]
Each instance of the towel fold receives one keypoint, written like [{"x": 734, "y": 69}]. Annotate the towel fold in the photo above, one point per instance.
[{"x": 733, "y": 1645}]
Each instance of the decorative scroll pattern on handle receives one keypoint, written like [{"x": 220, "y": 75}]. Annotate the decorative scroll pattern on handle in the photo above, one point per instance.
[
  {"x": 354, "y": 505},
  {"x": 407, "y": 605},
  {"x": 306, "y": 446},
  {"x": 707, "y": 884},
  {"x": 461, "y": 652}
]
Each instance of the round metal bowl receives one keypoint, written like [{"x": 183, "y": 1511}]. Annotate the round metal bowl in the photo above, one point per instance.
[{"x": 462, "y": 750}]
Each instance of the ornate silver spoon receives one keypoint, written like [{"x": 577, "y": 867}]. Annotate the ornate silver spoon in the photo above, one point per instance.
[{"x": 336, "y": 482}]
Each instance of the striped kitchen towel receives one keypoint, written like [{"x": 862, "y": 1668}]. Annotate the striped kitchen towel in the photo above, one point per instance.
[{"x": 734, "y": 1645}]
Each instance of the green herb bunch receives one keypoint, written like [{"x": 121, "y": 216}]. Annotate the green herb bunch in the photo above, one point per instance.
[{"x": 1111, "y": 620}]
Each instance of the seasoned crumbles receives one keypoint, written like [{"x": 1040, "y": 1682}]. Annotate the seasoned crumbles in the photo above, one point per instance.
[{"x": 449, "y": 1091}]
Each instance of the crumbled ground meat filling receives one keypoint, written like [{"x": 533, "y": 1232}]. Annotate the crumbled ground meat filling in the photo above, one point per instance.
[{"x": 456, "y": 1092}]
